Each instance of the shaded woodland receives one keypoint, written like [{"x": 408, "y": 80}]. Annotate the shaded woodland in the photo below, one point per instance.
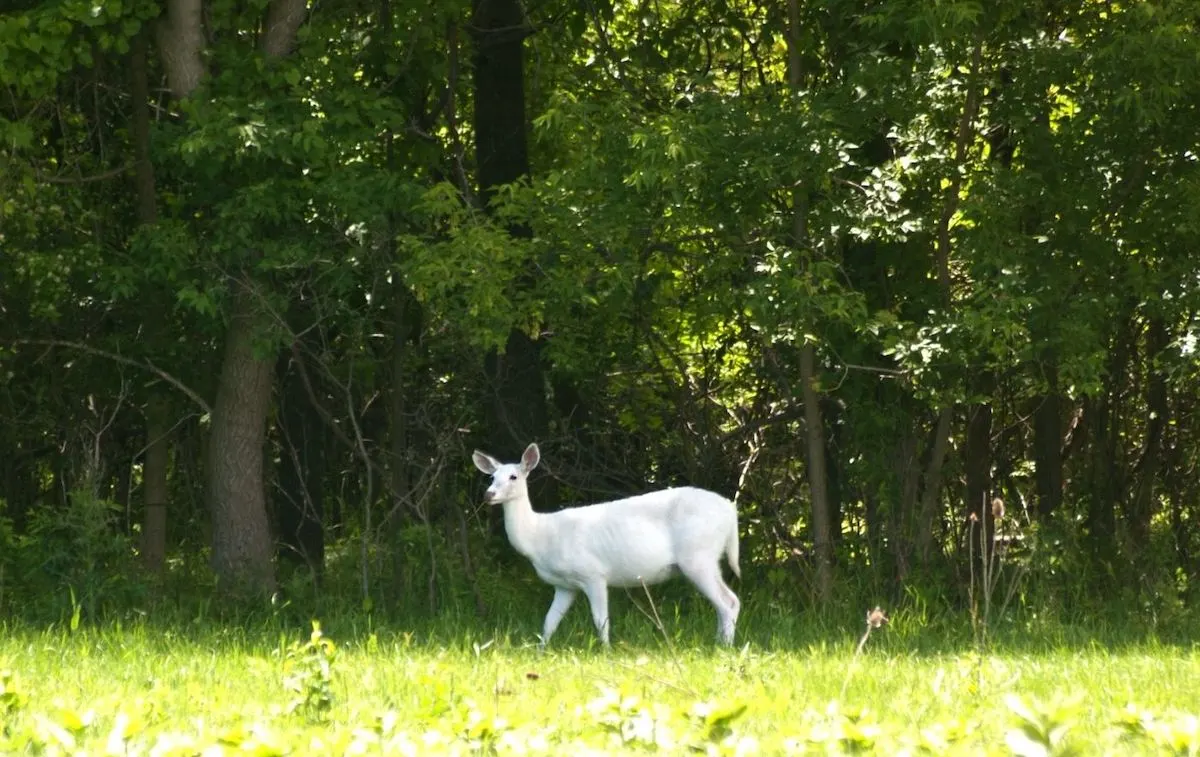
[{"x": 913, "y": 281}]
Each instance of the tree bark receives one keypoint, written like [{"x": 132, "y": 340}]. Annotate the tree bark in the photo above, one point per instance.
[
  {"x": 155, "y": 483},
  {"x": 181, "y": 45},
  {"x": 906, "y": 512},
  {"x": 1048, "y": 445},
  {"x": 814, "y": 426},
  {"x": 1101, "y": 511},
  {"x": 1150, "y": 462},
  {"x": 405, "y": 332},
  {"x": 242, "y": 544},
  {"x": 942, "y": 249},
  {"x": 1106, "y": 478},
  {"x": 158, "y": 419},
  {"x": 834, "y": 471},
  {"x": 814, "y": 429},
  {"x": 977, "y": 461},
  {"x": 284, "y": 18},
  {"x": 931, "y": 487},
  {"x": 300, "y": 509},
  {"x": 501, "y": 144},
  {"x": 515, "y": 406}
]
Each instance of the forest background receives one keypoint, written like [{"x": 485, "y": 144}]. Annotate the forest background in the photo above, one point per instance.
[{"x": 917, "y": 282}]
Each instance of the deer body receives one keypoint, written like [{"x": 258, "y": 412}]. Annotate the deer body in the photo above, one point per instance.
[{"x": 645, "y": 539}]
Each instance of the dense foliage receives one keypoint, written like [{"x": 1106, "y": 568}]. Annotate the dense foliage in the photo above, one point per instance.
[{"x": 916, "y": 282}]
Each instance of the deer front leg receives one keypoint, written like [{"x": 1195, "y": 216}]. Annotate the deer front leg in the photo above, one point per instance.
[{"x": 558, "y": 608}]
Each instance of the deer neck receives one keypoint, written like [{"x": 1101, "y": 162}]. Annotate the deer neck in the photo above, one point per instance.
[{"x": 522, "y": 525}]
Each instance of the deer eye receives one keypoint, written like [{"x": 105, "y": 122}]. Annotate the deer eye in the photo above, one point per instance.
[{"x": 512, "y": 477}]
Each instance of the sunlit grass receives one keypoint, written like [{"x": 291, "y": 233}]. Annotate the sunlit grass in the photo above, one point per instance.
[{"x": 459, "y": 684}]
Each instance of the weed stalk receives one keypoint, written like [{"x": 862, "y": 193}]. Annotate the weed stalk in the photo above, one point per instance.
[
  {"x": 991, "y": 568},
  {"x": 875, "y": 619}
]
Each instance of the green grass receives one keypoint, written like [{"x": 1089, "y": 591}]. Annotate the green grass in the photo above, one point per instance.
[{"x": 460, "y": 684}]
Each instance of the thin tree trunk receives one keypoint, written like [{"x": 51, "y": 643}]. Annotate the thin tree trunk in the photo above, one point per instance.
[
  {"x": 931, "y": 487},
  {"x": 158, "y": 419},
  {"x": 1101, "y": 511},
  {"x": 1150, "y": 462},
  {"x": 834, "y": 473},
  {"x": 515, "y": 405},
  {"x": 931, "y": 492},
  {"x": 1179, "y": 480},
  {"x": 814, "y": 426},
  {"x": 300, "y": 503},
  {"x": 1106, "y": 469},
  {"x": 155, "y": 485},
  {"x": 977, "y": 461},
  {"x": 906, "y": 512},
  {"x": 1048, "y": 445},
  {"x": 815, "y": 438},
  {"x": 405, "y": 329}
]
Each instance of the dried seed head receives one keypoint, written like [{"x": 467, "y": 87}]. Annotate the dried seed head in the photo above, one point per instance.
[
  {"x": 974, "y": 518},
  {"x": 876, "y": 618},
  {"x": 998, "y": 509}
]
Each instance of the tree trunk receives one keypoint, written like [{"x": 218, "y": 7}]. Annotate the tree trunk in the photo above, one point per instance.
[
  {"x": 1101, "y": 511},
  {"x": 301, "y": 504},
  {"x": 814, "y": 426},
  {"x": 515, "y": 408},
  {"x": 1105, "y": 471},
  {"x": 501, "y": 145},
  {"x": 158, "y": 418},
  {"x": 831, "y": 414},
  {"x": 931, "y": 487},
  {"x": 1150, "y": 462},
  {"x": 402, "y": 329},
  {"x": 942, "y": 248},
  {"x": 405, "y": 331},
  {"x": 181, "y": 45},
  {"x": 1178, "y": 472},
  {"x": 17, "y": 484},
  {"x": 155, "y": 485},
  {"x": 977, "y": 461},
  {"x": 814, "y": 429},
  {"x": 906, "y": 512},
  {"x": 242, "y": 544},
  {"x": 1047, "y": 446}
]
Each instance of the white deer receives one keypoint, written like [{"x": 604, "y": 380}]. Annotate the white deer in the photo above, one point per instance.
[{"x": 638, "y": 540}]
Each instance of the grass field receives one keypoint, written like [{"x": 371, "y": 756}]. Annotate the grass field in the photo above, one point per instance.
[{"x": 271, "y": 687}]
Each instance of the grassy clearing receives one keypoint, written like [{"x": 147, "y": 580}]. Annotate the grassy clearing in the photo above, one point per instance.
[{"x": 273, "y": 688}]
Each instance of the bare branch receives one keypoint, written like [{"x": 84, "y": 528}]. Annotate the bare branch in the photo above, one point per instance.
[
  {"x": 112, "y": 173},
  {"x": 145, "y": 365}
]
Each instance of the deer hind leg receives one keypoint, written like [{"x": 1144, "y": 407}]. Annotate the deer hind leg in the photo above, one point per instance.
[
  {"x": 707, "y": 578},
  {"x": 597, "y": 594}
]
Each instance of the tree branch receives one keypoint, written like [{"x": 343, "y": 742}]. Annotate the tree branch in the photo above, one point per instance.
[
  {"x": 112, "y": 173},
  {"x": 145, "y": 365}
]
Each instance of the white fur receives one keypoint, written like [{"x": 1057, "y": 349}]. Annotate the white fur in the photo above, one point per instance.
[{"x": 627, "y": 542}]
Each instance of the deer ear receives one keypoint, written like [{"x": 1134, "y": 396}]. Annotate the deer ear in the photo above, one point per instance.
[
  {"x": 531, "y": 457},
  {"x": 485, "y": 462}
]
